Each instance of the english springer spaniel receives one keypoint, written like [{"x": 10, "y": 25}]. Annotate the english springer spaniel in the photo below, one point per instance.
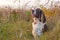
[{"x": 38, "y": 24}]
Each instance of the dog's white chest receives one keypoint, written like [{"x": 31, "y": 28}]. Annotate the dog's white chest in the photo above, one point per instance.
[{"x": 38, "y": 27}]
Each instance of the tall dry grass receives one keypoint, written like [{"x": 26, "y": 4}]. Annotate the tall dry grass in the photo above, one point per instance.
[{"x": 16, "y": 28}]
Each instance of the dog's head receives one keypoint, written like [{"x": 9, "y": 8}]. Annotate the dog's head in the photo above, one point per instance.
[{"x": 37, "y": 12}]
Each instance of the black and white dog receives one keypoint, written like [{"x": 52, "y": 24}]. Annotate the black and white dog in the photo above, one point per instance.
[{"x": 39, "y": 22}]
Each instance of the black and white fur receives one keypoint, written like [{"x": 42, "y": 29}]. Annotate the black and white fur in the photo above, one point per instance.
[{"x": 38, "y": 23}]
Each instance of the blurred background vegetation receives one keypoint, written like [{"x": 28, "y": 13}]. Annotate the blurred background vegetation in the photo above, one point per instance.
[{"x": 16, "y": 24}]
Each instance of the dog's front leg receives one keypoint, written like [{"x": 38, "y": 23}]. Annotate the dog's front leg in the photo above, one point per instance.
[{"x": 34, "y": 35}]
